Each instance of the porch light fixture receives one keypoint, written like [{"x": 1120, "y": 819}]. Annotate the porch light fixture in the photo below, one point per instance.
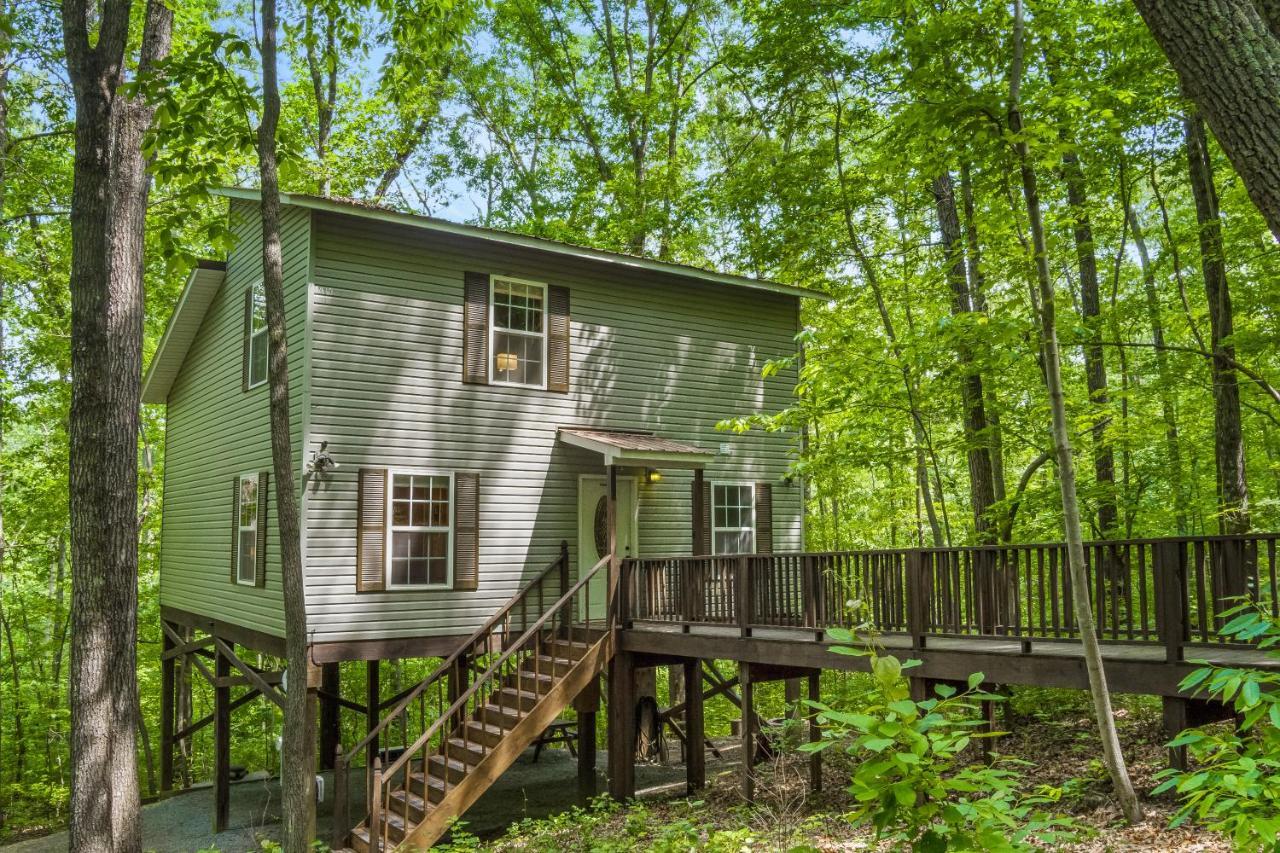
[
  {"x": 652, "y": 475},
  {"x": 507, "y": 362}
]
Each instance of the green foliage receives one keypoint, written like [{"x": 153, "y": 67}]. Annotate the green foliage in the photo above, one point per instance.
[
  {"x": 1233, "y": 785},
  {"x": 911, "y": 781}
]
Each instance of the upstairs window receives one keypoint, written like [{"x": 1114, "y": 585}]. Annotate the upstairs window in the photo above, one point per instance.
[
  {"x": 518, "y": 333},
  {"x": 733, "y": 518},
  {"x": 247, "y": 531},
  {"x": 420, "y": 526},
  {"x": 255, "y": 330}
]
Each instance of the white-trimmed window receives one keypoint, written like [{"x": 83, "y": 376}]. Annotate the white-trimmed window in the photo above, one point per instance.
[
  {"x": 247, "y": 531},
  {"x": 257, "y": 331},
  {"x": 517, "y": 332},
  {"x": 420, "y": 524},
  {"x": 733, "y": 518}
]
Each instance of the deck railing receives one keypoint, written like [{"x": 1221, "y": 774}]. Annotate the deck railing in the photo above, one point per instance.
[{"x": 1171, "y": 591}]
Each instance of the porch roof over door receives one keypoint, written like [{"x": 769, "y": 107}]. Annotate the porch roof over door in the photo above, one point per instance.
[{"x": 636, "y": 448}]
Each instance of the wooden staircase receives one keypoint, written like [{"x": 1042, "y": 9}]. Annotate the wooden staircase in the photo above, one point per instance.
[{"x": 416, "y": 796}]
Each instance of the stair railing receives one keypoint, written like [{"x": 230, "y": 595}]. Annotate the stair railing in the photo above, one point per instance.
[
  {"x": 495, "y": 633},
  {"x": 569, "y": 617}
]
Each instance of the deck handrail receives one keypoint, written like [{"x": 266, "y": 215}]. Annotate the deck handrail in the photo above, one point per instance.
[{"x": 451, "y": 661}]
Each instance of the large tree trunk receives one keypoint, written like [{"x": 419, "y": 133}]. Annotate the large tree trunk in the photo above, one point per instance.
[
  {"x": 1227, "y": 54},
  {"x": 1112, "y": 756},
  {"x": 981, "y": 477},
  {"x": 108, "y": 210},
  {"x": 1233, "y": 489},
  {"x": 1095, "y": 365},
  {"x": 297, "y": 758}
]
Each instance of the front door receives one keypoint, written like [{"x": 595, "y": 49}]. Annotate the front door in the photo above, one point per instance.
[{"x": 593, "y": 532}]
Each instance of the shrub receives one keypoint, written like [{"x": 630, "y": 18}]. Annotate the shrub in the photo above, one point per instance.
[
  {"x": 1234, "y": 784},
  {"x": 910, "y": 781}
]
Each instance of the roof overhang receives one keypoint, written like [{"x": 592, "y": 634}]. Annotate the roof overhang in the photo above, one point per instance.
[
  {"x": 636, "y": 449},
  {"x": 351, "y": 207},
  {"x": 202, "y": 285}
]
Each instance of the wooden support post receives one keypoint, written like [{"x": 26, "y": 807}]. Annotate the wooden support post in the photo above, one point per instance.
[
  {"x": 742, "y": 590},
  {"x": 1169, "y": 563},
  {"x": 694, "y": 726},
  {"x": 1176, "y": 718},
  {"x": 168, "y": 713},
  {"x": 615, "y": 616},
  {"x": 748, "y": 732},
  {"x": 587, "y": 705},
  {"x": 330, "y": 722},
  {"x": 221, "y": 747},
  {"x": 815, "y": 733},
  {"x": 373, "y": 694},
  {"x": 622, "y": 727}
]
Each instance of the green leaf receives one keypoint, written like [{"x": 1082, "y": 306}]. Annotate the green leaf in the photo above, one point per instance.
[{"x": 975, "y": 679}]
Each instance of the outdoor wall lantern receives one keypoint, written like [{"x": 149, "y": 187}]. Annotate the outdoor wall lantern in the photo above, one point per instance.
[
  {"x": 652, "y": 475},
  {"x": 321, "y": 462}
]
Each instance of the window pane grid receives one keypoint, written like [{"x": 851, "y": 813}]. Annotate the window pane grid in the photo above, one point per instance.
[
  {"x": 247, "y": 534},
  {"x": 420, "y": 528},
  {"x": 518, "y": 339},
  {"x": 732, "y": 519}
]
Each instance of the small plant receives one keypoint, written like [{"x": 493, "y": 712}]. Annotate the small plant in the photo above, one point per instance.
[
  {"x": 910, "y": 781},
  {"x": 1234, "y": 787}
]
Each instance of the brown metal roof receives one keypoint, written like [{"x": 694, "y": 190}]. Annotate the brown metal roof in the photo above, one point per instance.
[{"x": 637, "y": 448}]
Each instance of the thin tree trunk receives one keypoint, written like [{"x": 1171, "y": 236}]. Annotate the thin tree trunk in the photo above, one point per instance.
[
  {"x": 1228, "y": 59},
  {"x": 974, "y": 417},
  {"x": 108, "y": 210},
  {"x": 1233, "y": 489},
  {"x": 1164, "y": 377},
  {"x": 1112, "y": 756},
  {"x": 1095, "y": 365},
  {"x": 298, "y": 754}
]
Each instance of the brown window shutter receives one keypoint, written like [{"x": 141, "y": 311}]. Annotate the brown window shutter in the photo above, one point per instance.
[
  {"x": 371, "y": 530},
  {"x": 475, "y": 328},
  {"x": 244, "y": 342},
  {"x": 764, "y": 518},
  {"x": 558, "y": 339},
  {"x": 235, "y": 528},
  {"x": 466, "y": 531},
  {"x": 264, "y": 498},
  {"x": 701, "y": 525}
]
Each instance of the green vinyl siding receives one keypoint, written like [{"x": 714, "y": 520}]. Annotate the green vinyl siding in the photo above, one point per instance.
[
  {"x": 215, "y": 431},
  {"x": 648, "y": 351}
]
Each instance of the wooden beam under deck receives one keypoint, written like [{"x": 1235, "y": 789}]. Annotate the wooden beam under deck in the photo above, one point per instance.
[{"x": 1131, "y": 668}]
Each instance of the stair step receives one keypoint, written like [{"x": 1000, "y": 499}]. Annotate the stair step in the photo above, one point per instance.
[
  {"x": 468, "y": 749},
  {"x": 540, "y": 682},
  {"x": 417, "y": 807},
  {"x": 511, "y": 697},
  {"x": 572, "y": 649},
  {"x": 360, "y": 839},
  {"x": 484, "y": 733},
  {"x": 504, "y": 718},
  {"x": 450, "y": 768},
  {"x": 550, "y": 664},
  {"x": 434, "y": 786}
]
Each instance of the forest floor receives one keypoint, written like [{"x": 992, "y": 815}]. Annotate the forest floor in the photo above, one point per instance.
[
  {"x": 526, "y": 809},
  {"x": 1052, "y": 730}
]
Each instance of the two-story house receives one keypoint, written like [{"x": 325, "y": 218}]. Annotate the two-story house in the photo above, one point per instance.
[{"x": 459, "y": 396}]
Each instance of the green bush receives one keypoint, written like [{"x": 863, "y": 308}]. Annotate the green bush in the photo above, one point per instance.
[
  {"x": 910, "y": 780},
  {"x": 1233, "y": 785}
]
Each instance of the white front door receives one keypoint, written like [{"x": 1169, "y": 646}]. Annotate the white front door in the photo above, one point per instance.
[{"x": 593, "y": 532}]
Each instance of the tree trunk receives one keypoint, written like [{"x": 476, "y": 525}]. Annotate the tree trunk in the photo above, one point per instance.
[
  {"x": 1228, "y": 59},
  {"x": 1233, "y": 489},
  {"x": 1095, "y": 365},
  {"x": 1112, "y": 756},
  {"x": 108, "y": 209},
  {"x": 298, "y": 753},
  {"x": 1164, "y": 377},
  {"x": 974, "y": 418}
]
